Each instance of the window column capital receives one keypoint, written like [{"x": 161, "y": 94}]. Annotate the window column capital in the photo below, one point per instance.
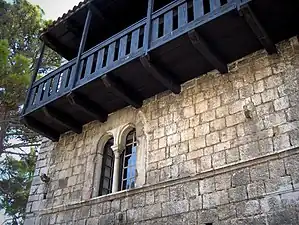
[{"x": 116, "y": 150}]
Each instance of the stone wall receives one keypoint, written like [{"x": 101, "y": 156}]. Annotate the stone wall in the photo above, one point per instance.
[{"x": 224, "y": 151}]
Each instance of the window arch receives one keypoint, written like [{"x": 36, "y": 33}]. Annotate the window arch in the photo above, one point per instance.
[
  {"x": 128, "y": 162},
  {"x": 107, "y": 169}
]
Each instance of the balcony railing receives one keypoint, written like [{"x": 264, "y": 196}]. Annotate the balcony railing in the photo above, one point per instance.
[{"x": 166, "y": 24}]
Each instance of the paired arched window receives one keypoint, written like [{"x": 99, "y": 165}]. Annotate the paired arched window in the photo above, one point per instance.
[
  {"x": 126, "y": 178},
  {"x": 128, "y": 162},
  {"x": 107, "y": 169}
]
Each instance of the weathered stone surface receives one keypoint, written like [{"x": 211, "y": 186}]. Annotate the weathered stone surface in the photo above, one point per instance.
[{"x": 199, "y": 159}]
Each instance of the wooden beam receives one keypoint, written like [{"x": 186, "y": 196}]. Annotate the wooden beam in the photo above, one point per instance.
[
  {"x": 34, "y": 75},
  {"x": 257, "y": 28},
  {"x": 205, "y": 50},
  {"x": 121, "y": 90},
  {"x": 40, "y": 128},
  {"x": 63, "y": 119},
  {"x": 82, "y": 47},
  {"x": 88, "y": 106},
  {"x": 164, "y": 77},
  {"x": 95, "y": 11}
]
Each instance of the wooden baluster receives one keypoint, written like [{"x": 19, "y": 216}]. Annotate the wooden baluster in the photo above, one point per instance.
[
  {"x": 198, "y": 9},
  {"x": 111, "y": 51},
  {"x": 32, "y": 98},
  {"x": 214, "y": 4},
  {"x": 100, "y": 59},
  {"x": 183, "y": 15},
  {"x": 168, "y": 22},
  {"x": 40, "y": 93},
  {"x": 72, "y": 77},
  {"x": 64, "y": 80},
  {"x": 122, "y": 47},
  {"x": 155, "y": 29},
  {"x": 48, "y": 90},
  {"x": 80, "y": 73},
  {"x": 88, "y": 67},
  {"x": 135, "y": 40},
  {"x": 55, "y": 85}
]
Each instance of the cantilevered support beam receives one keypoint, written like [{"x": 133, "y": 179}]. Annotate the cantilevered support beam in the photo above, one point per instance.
[
  {"x": 63, "y": 119},
  {"x": 41, "y": 128},
  {"x": 121, "y": 91},
  {"x": 164, "y": 77},
  {"x": 203, "y": 48},
  {"x": 257, "y": 28},
  {"x": 88, "y": 106}
]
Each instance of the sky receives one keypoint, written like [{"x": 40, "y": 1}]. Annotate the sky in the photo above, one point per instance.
[{"x": 55, "y": 8}]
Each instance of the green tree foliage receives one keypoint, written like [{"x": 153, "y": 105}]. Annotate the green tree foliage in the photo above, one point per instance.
[
  {"x": 15, "y": 181},
  {"x": 20, "y": 26}
]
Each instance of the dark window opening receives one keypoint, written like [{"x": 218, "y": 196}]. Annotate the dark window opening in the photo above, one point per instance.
[
  {"x": 223, "y": 2},
  {"x": 128, "y": 162},
  {"x": 206, "y": 6},
  {"x": 107, "y": 169}
]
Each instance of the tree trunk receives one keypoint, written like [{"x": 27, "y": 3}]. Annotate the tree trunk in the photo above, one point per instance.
[{"x": 3, "y": 130}]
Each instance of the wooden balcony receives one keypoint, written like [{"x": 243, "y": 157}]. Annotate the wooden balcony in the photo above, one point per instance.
[{"x": 186, "y": 39}]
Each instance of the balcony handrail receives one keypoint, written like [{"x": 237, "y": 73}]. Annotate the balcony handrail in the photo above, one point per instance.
[
  {"x": 114, "y": 38},
  {"x": 54, "y": 72},
  {"x": 166, "y": 8}
]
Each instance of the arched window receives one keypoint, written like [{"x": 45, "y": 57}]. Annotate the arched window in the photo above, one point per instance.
[
  {"x": 107, "y": 169},
  {"x": 128, "y": 162}
]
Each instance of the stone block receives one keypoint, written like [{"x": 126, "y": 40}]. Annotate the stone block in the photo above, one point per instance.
[
  {"x": 258, "y": 86},
  {"x": 214, "y": 102},
  {"x": 162, "y": 195},
  {"x": 205, "y": 162},
  {"x": 207, "y": 216},
  {"x": 195, "y": 121},
  {"x": 195, "y": 203},
  {"x": 173, "y": 139},
  {"x": 212, "y": 138},
  {"x": 281, "y": 142},
  {"x": 218, "y": 159},
  {"x": 158, "y": 155},
  {"x": 201, "y": 107},
  {"x": 162, "y": 142},
  {"x": 195, "y": 154},
  {"x": 279, "y": 184},
  {"x": 138, "y": 200},
  {"x": 265, "y": 72},
  {"x": 249, "y": 151},
  {"x": 259, "y": 172},
  {"x": 277, "y": 168},
  {"x": 246, "y": 91},
  {"x": 202, "y": 129},
  {"x": 208, "y": 116},
  {"x": 187, "y": 134},
  {"x": 223, "y": 181},
  {"x": 228, "y": 134},
  {"x": 217, "y": 124},
  {"x": 281, "y": 103},
  {"x": 222, "y": 111},
  {"x": 197, "y": 143},
  {"x": 171, "y": 129},
  {"x": 207, "y": 185},
  {"x": 187, "y": 168},
  {"x": 159, "y": 132},
  {"x": 226, "y": 211},
  {"x": 172, "y": 208},
  {"x": 256, "y": 189},
  {"x": 264, "y": 109},
  {"x": 235, "y": 119},
  {"x": 237, "y": 194},
  {"x": 240, "y": 177},
  {"x": 189, "y": 111},
  {"x": 232, "y": 155},
  {"x": 152, "y": 211}
]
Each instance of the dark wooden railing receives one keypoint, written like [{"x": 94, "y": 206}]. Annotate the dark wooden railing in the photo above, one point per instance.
[{"x": 167, "y": 23}]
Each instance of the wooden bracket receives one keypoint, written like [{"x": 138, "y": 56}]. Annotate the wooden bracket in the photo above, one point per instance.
[
  {"x": 121, "y": 91},
  {"x": 63, "y": 119},
  {"x": 204, "y": 49},
  {"x": 164, "y": 77},
  {"x": 88, "y": 106},
  {"x": 40, "y": 128},
  {"x": 246, "y": 12}
]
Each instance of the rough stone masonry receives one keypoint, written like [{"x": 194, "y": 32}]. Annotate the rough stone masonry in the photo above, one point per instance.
[{"x": 224, "y": 151}]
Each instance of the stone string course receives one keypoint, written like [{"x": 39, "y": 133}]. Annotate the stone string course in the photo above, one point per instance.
[{"x": 224, "y": 151}]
